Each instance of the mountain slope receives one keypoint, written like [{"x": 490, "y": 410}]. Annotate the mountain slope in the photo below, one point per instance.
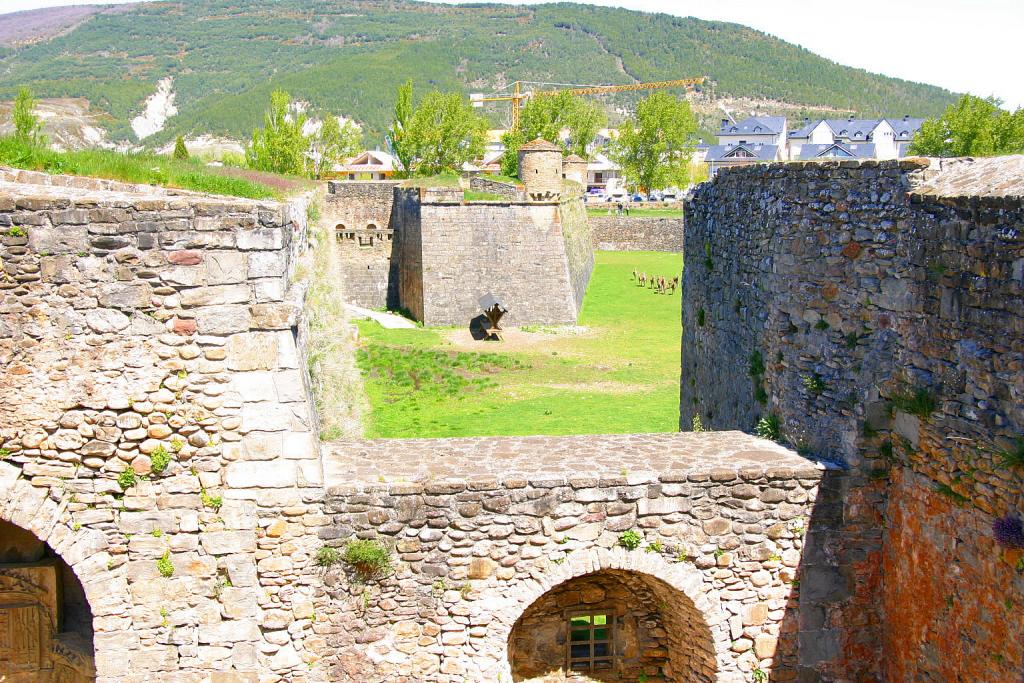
[{"x": 348, "y": 56}]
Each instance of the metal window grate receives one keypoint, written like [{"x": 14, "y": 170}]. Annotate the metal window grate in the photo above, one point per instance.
[{"x": 591, "y": 642}]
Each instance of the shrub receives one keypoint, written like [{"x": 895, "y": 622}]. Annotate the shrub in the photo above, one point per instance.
[
  {"x": 159, "y": 459},
  {"x": 756, "y": 364},
  {"x": 1009, "y": 532},
  {"x": 369, "y": 558},
  {"x": 327, "y": 556},
  {"x": 164, "y": 565},
  {"x": 180, "y": 150},
  {"x": 630, "y": 540},
  {"x": 127, "y": 479},
  {"x": 768, "y": 427},
  {"x": 920, "y": 403}
]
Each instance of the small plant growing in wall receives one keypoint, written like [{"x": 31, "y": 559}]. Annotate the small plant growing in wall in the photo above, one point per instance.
[
  {"x": 212, "y": 502},
  {"x": 700, "y": 317},
  {"x": 127, "y": 479},
  {"x": 1009, "y": 532},
  {"x": 159, "y": 459},
  {"x": 164, "y": 566},
  {"x": 814, "y": 384},
  {"x": 630, "y": 540},
  {"x": 327, "y": 556},
  {"x": 696, "y": 425},
  {"x": 920, "y": 402},
  {"x": 760, "y": 675},
  {"x": 17, "y": 231},
  {"x": 370, "y": 559},
  {"x": 655, "y": 547},
  {"x": 768, "y": 427},
  {"x": 1013, "y": 458},
  {"x": 708, "y": 261},
  {"x": 4, "y": 453},
  {"x": 947, "y": 491}
]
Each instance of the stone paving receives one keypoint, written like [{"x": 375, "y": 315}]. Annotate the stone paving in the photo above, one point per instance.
[{"x": 615, "y": 459}]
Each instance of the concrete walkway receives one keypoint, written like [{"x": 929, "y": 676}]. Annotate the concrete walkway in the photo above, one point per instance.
[{"x": 388, "y": 321}]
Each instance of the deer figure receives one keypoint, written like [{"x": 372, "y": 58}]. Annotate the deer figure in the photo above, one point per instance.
[
  {"x": 673, "y": 283},
  {"x": 642, "y": 279}
]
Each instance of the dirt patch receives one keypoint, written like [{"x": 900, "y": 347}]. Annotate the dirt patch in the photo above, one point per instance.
[{"x": 516, "y": 339}]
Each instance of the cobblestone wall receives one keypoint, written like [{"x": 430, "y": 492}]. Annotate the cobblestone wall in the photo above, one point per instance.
[
  {"x": 723, "y": 533},
  {"x": 622, "y": 233},
  {"x": 874, "y": 309},
  {"x": 506, "y": 190},
  {"x": 155, "y": 424}
]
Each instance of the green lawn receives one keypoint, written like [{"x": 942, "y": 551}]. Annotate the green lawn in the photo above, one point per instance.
[
  {"x": 634, "y": 212},
  {"x": 619, "y": 375},
  {"x": 150, "y": 169}
]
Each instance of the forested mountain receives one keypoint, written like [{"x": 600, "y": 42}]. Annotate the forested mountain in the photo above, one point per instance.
[{"x": 348, "y": 56}]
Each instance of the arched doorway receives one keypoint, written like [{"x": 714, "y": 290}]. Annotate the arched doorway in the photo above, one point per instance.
[
  {"x": 46, "y": 630},
  {"x": 612, "y": 625}
]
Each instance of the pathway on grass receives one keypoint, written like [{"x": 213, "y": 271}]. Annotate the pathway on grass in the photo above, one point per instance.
[{"x": 617, "y": 372}]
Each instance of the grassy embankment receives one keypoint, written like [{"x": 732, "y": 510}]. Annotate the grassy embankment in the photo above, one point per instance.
[
  {"x": 620, "y": 374},
  {"x": 150, "y": 169}
]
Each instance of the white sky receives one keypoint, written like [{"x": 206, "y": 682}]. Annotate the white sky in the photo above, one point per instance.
[{"x": 964, "y": 45}]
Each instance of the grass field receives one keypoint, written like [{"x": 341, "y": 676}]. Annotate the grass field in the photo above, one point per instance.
[
  {"x": 150, "y": 169},
  {"x": 617, "y": 372},
  {"x": 634, "y": 212}
]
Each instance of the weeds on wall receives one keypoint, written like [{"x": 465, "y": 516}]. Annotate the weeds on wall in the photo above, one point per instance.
[
  {"x": 768, "y": 427},
  {"x": 814, "y": 384},
  {"x": 336, "y": 383},
  {"x": 630, "y": 540},
  {"x": 919, "y": 402},
  {"x": 370, "y": 559},
  {"x": 948, "y": 491},
  {"x": 164, "y": 566},
  {"x": 1012, "y": 458}
]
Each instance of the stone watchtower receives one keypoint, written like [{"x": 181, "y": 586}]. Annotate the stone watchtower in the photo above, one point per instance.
[
  {"x": 574, "y": 167},
  {"x": 540, "y": 169}
]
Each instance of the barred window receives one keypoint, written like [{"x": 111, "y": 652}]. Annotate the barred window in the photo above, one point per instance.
[{"x": 591, "y": 641}]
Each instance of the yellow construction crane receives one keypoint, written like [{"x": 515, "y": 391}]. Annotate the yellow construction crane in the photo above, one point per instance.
[{"x": 519, "y": 95}]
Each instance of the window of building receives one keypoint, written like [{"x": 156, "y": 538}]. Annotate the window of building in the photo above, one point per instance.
[{"x": 591, "y": 641}]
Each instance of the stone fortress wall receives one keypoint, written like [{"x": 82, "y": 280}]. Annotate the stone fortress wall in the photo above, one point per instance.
[
  {"x": 633, "y": 233},
  {"x": 155, "y": 424},
  {"x": 360, "y": 213},
  {"x": 875, "y": 309}
]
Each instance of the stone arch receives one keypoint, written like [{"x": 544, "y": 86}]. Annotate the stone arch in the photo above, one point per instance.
[
  {"x": 690, "y": 611},
  {"x": 84, "y": 551}
]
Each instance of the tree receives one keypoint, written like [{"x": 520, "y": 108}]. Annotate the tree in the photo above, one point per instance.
[
  {"x": 180, "y": 150},
  {"x": 27, "y": 126},
  {"x": 442, "y": 134},
  {"x": 280, "y": 145},
  {"x": 398, "y": 133},
  {"x": 655, "y": 148},
  {"x": 545, "y": 117},
  {"x": 332, "y": 143},
  {"x": 971, "y": 127}
]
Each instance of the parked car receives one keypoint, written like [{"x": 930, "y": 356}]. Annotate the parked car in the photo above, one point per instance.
[
  {"x": 670, "y": 194},
  {"x": 655, "y": 196},
  {"x": 639, "y": 197}
]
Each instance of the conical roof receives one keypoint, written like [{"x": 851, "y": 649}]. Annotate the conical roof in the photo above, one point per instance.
[
  {"x": 574, "y": 159},
  {"x": 540, "y": 145}
]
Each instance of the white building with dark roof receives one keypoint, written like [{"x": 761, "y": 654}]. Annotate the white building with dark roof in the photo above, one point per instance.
[
  {"x": 765, "y": 130},
  {"x": 741, "y": 154},
  {"x": 889, "y": 137}
]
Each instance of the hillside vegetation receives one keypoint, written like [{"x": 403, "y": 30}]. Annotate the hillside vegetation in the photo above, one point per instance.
[{"x": 347, "y": 56}]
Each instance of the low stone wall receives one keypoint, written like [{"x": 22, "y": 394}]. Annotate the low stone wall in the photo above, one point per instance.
[
  {"x": 623, "y": 233},
  {"x": 155, "y": 426},
  {"x": 506, "y": 190},
  {"x": 873, "y": 309},
  {"x": 486, "y": 533}
]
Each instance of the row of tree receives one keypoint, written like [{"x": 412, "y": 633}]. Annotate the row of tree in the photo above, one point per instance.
[{"x": 972, "y": 127}]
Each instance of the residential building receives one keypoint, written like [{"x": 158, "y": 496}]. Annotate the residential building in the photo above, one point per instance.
[
  {"x": 741, "y": 154},
  {"x": 890, "y": 137},
  {"x": 369, "y": 165},
  {"x": 766, "y": 130},
  {"x": 837, "y": 150}
]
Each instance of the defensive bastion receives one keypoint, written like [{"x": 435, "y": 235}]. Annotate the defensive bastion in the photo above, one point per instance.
[{"x": 161, "y": 333}]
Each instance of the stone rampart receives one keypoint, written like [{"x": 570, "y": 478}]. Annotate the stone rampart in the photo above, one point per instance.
[
  {"x": 506, "y": 190},
  {"x": 155, "y": 424},
  {"x": 536, "y": 257},
  {"x": 625, "y": 233},
  {"x": 873, "y": 309},
  {"x": 493, "y": 538}
]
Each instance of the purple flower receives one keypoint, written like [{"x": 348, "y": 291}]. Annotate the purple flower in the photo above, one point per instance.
[{"x": 1009, "y": 531}]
